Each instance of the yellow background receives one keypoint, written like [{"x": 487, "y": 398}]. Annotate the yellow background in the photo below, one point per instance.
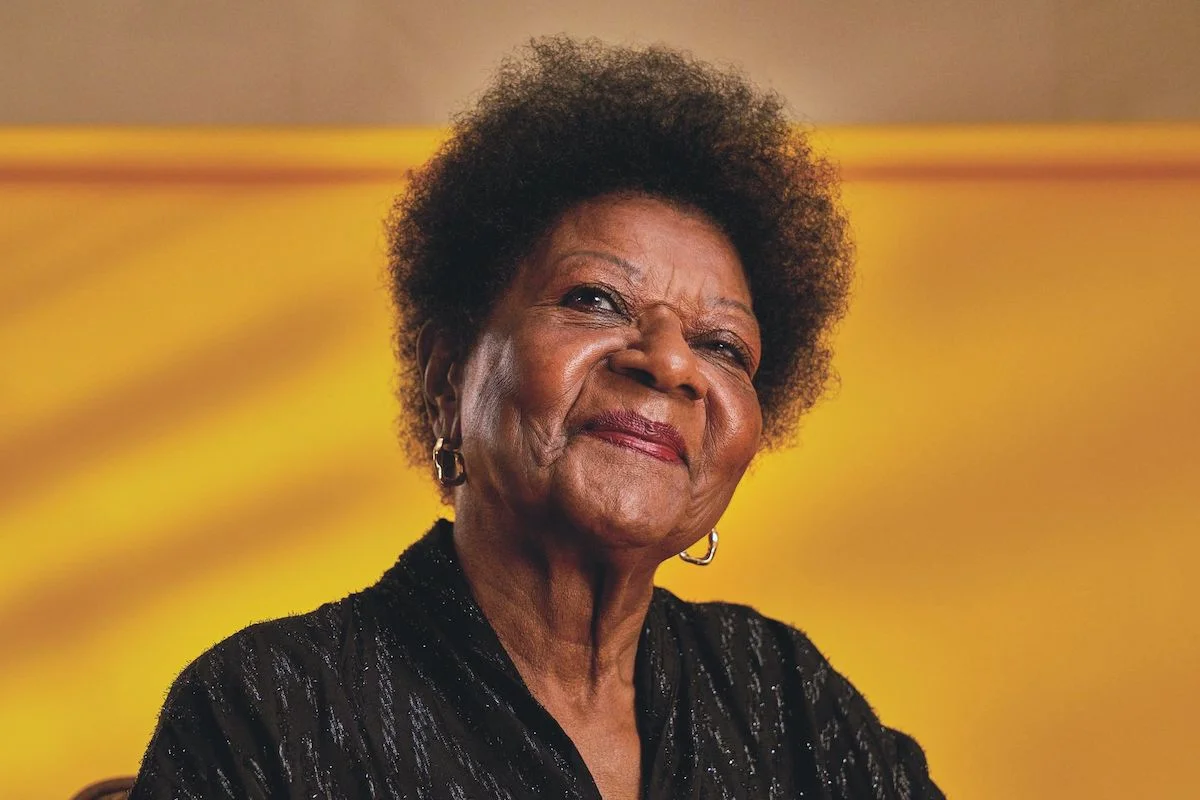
[{"x": 991, "y": 526}]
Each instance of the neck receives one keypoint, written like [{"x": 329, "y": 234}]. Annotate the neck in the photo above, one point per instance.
[{"x": 569, "y": 617}]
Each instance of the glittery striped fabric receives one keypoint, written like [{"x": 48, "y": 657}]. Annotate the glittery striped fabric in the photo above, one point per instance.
[{"x": 404, "y": 691}]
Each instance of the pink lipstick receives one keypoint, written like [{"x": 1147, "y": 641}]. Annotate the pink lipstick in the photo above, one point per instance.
[{"x": 629, "y": 429}]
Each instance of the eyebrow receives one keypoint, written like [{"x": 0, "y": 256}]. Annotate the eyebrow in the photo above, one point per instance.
[
  {"x": 628, "y": 266},
  {"x": 637, "y": 272}
]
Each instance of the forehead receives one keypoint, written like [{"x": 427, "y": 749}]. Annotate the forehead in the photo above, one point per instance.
[{"x": 652, "y": 240}]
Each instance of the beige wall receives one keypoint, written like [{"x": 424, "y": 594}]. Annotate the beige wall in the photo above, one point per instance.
[{"x": 389, "y": 62}]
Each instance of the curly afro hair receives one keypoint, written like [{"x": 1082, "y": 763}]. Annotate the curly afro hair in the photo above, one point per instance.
[{"x": 575, "y": 120}]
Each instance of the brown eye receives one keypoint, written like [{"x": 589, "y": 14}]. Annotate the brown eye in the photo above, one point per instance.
[
  {"x": 729, "y": 350},
  {"x": 591, "y": 297}
]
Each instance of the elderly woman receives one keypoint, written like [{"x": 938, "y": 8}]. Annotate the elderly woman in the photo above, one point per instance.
[{"x": 614, "y": 286}]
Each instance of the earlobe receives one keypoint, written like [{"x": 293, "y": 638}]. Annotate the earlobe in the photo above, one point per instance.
[{"x": 440, "y": 373}]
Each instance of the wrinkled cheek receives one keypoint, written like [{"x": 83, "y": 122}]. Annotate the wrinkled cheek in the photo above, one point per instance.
[
  {"x": 512, "y": 401},
  {"x": 544, "y": 389},
  {"x": 488, "y": 386},
  {"x": 737, "y": 431},
  {"x": 754, "y": 428}
]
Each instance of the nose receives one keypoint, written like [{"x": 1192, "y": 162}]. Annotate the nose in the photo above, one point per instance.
[{"x": 661, "y": 357}]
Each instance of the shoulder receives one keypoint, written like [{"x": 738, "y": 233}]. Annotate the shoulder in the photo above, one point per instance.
[
  {"x": 752, "y": 651},
  {"x": 750, "y": 645},
  {"x": 743, "y": 637},
  {"x": 220, "y": 730},
  {"x": 268, "y": 657}
]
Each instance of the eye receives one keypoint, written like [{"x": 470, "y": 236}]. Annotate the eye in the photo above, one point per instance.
[
  {"x": 733, "y": 351},
  {"x": 592, "y": 298}
]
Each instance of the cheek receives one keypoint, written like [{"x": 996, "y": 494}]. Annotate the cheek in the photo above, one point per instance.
[
  {"x": 550, "y": 370},
  {"x": 525, "y": 384},
  {"x": 735, "y": 426},
  {"x": 489, "y": 381}
]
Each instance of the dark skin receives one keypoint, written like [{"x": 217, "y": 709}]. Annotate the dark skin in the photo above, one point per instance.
[{"x": 628, "y": 303}]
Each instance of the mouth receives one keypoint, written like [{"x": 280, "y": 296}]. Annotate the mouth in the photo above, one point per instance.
[{"x": 629, "y": 429}]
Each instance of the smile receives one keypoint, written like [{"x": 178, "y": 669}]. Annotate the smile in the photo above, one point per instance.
[{"x": 633, "y": 431}]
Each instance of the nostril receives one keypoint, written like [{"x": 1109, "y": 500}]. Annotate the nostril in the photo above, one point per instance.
[{"x": 644, "y": 377}]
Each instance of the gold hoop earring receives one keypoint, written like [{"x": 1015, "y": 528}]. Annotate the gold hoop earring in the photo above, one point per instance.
[
  {"x": 708, "y": 557},
  {"x": 452, "y": 473}
]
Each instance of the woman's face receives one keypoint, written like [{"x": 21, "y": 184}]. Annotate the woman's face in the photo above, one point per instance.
[{"x": 611, "y": 386}]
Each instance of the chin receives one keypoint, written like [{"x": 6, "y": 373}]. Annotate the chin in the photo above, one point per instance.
[{"x": 622, "y": 506}]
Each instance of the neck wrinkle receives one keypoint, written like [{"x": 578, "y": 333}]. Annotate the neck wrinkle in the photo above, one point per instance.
[{"x": 567, "y": 619}]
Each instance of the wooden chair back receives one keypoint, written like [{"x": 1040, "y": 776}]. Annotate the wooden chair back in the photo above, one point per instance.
[{"x": 110, "y": 789}]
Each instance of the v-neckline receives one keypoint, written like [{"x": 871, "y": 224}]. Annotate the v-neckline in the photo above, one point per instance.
[{"x": 434, "y": 566}]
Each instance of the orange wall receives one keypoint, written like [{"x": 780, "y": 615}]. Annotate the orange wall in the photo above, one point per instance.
[{"x": 990, "y": 527}]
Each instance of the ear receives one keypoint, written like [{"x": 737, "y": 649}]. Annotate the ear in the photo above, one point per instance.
[{"x": 441, "y": 375}]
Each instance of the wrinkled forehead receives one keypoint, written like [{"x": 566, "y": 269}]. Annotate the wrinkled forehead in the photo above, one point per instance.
[{"x": 646, "y": 241}]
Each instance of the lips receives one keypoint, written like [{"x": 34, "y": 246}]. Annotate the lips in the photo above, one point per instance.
[{"x": 659, "y": 440}]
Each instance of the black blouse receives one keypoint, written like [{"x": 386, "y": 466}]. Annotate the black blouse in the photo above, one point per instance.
[{"x": 403, "y": 690}]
